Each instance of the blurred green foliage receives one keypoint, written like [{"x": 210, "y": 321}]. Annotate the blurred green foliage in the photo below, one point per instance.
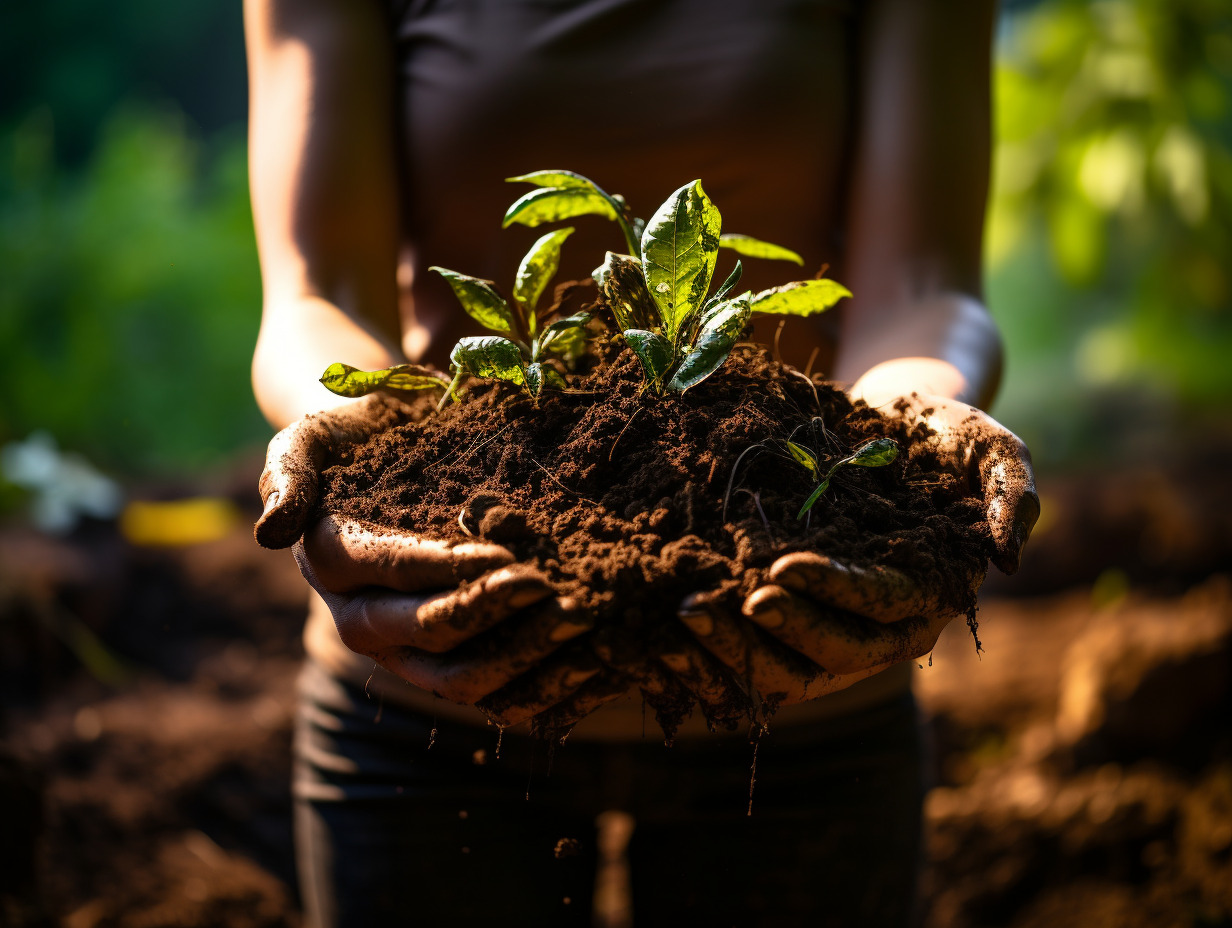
[
  {"x": 130, "y": 295},
  {"x": 1110, "y": 232}
]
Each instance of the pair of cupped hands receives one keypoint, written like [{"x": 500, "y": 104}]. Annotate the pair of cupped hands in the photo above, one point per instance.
[{"x": 466, "y": 621}]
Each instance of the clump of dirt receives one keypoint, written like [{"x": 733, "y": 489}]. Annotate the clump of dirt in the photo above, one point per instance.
[{"x": 619, "y": 495}]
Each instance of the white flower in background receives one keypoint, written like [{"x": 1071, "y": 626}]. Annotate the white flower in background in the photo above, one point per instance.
[{"x": 64, "y": 487}]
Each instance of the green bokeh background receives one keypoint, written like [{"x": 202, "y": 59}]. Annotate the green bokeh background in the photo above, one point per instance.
[{"x": 130, "y": 293}]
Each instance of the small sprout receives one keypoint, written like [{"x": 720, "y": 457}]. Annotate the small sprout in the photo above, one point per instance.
[
  {"x": 875, "y": 453},
  {"x": 350, "y": 381}
]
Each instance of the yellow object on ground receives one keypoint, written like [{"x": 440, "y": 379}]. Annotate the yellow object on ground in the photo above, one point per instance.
[{"x": 178, "y": 522}]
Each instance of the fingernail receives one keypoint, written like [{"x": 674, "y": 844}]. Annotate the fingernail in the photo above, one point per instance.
[
  {"x": 566, "y": 630},
  {"x": 520, "y": 599},
  {"x": 272, "y": 500},
  {"x": 699, "y": 623},
  {"x": 578, "y": 677},
  {"x": 767, "y": 618}
]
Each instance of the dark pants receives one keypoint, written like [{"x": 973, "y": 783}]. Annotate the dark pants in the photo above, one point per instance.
[{"x": 397, "y": 827}]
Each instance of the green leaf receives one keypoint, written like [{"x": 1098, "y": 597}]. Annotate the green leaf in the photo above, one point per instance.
[
  {"x": 568, "y": 322},
  {"x": 489, "y": 356},
  {"x": 569, "y": 343},
  {"x": 350, "y": 381},
  {"x": 755, "y": 248},
  {"x": 679, "y": 250},
  {"x": 803, "y": 456},
  {"x": 813, "y": 497},
  {"x": 480, "y": 300},
  {"x": 654, "y": 351},
  {"x": 557, "y": 178},
  {"x": 876, "y": 453},
  {"x": 728, "y": 285},
  {"x": 624, "y": 290},
  {"x": 537, "y": 268},
  {"x": 551, "y": 204},
  {"x": 719, "y": 333},
  {"x": 800, "y": 297}
]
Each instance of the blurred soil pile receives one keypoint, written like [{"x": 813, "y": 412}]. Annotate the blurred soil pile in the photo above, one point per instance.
[{"x": 1083, "y": 762}]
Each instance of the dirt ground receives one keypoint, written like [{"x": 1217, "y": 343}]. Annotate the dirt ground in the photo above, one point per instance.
[{"x": 1083, "y": 762}]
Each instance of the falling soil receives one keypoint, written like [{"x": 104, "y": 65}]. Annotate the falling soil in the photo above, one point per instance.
[{"x": 630, "y": 501}]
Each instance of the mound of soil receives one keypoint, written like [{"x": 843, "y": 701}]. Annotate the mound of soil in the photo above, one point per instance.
[{"x": 631, "y": 501}]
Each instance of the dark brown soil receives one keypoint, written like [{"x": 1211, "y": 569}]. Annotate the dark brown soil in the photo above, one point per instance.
[{"x": 618, "y": 494}]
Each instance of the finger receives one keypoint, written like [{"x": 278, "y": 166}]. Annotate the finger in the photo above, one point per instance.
[
  {"x": 772, "y": 673},
  {"x": 880, "y": 593},
  {"x": 839, "y": 642},
  {"x": 491, "y": 661},
  {"x": 592, "y": 695},
  {"x": 348, "y": 556},
  {"x": 550, "y": 684},
  {"x": 293, "y": 461},
  {"x": 374, "y": 622},
  {"x": 1011, "y": 502},
  {"x": 722, "y": 699}
]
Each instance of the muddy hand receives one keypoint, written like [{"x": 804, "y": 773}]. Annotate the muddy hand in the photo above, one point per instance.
[
  {"x": 994, "y": 462},
  {"x": 297, "y": 455},
  {"x": 774, "y": 669},
  {"x": 495, "y": 622}
]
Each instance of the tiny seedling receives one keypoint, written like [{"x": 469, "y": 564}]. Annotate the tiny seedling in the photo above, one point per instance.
[
  {"x": 658, "y": 292},
  {"x": 516, "y": 354},
  {"x": 875, "y": 453}
]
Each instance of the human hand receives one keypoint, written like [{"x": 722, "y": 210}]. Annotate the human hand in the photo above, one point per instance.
[
  {"x": 460, "y": 620},
  {"x": 820, "y": 625}
]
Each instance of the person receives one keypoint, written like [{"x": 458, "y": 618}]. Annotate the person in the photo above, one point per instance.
[{"x": 856, "y": 133}]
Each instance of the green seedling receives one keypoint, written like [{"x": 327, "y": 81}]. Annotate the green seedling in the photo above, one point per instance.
[
  {"x": 515, "y": 354},
  {"x": 658, "y": 292},
  {"x": 875, "y": 453}
]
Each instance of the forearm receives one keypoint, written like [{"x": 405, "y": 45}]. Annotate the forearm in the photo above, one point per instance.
[{"x": 298, "y": 339}]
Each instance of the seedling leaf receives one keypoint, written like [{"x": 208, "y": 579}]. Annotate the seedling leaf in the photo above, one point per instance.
[
  {"x": 624, "y": 290},
  {"x": 800, "y": 298},
  {"x": 719, "y": 333},
  {"x": 565, "y": 336},
  {"x": 654, "y": 351},
  {"x": 537, "y": 268},
  {"x": 813, "y": 497},
  {"x": 679, "y": 250},
  {"x": 755, "y": 248},
  {"x": 876, "y": 453},
  {"x": 480, "y": 300},
  {"x": 550, "y": 204},
  {"x": 489, "y": 356},
  {"x": 556, "y": 178},
  {"x": 803, "y": 456},
  {"x": 350, "y": 381}
]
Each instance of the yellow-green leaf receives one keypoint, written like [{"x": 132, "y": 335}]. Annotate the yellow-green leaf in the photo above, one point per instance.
[
  {"x": 755, "y": 248},
  {"x": 537, "y": 268},
  {"x": 556, "y": 178},
  {"x": 551, "y": 204},
  {"x": 480, "y": 300},
  {"x": 800, "y": 297},
  {"x": 875, "y": 453},
  {"x": 350, "y": 381},
  {"x": 489, "y": 356},
  {"x": 803, "y": 456},
  {"x": 624, "y": 291},
  {"x": 679, "y": 248}
]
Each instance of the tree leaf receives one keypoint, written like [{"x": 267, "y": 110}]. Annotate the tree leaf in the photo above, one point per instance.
[
  {"x": 480, "y": 300},
  {"x": 728, "y": 285},
  {"x": 800, "y": 297},
  {"x": 755, "y": 248},
  {"x": 875, "y": 453},
  {"x": 569, "y": 343},
  {"x": 537, "y": 268},
  {"x": 654, "y": 351},
  {"x": 719, "y": 333},
  {"x": 803, "y": 456},
  {"x": 679, "y": 250},
  {"x": 568, "y": 322},
  {"x": 624, "y": 290},
  {"x": 551, "y": 204},
  {"x": 813, "y": 497},
  {"x": 350, "y": 381},
  {"x": 489, "y": 356}
]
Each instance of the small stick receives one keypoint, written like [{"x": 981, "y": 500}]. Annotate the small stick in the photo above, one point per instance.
[
  {"x": 622, "y": 432},
  {"x": 732, "y": 478}
]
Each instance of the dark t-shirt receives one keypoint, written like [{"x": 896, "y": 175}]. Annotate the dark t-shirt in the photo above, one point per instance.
[{"x": 642, "y": 96}]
